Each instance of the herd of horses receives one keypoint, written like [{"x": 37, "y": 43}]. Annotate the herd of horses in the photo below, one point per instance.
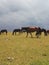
[{"x": 28, "y": 30}]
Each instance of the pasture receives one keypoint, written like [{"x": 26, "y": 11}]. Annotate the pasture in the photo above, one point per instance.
[{"x": 19, "y": 50}]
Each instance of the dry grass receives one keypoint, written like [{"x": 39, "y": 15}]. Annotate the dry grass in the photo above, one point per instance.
[{"x": 19, "y": 50}]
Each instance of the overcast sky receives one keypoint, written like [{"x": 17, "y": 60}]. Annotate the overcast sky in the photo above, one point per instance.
[{"x": 18, "y": 13}]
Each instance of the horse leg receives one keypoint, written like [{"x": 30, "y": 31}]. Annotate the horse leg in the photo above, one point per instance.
[
  {"x": 37, "y": 34},
  {"x": 6, "y": 33},
  {"x": 15, "y": 33},
  {"x": 12, "y": 33},
  {"x": 45, "y": 33},
  {"x": 31, "y": 34},
  {"x": 27, "y": 34}
]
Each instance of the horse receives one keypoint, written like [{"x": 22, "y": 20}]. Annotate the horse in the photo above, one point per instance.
[
  {"x": 16, "y": 30},
  {"x": 3, "y": 31},
  {"x": 39, "y": 32},
  {"x": 29, "y": 30}
]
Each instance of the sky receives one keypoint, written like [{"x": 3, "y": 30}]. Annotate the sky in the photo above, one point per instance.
[{"x": 20, "y": 13}]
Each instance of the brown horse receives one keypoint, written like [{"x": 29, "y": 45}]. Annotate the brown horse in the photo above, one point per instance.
[
  {"x": 38, "y": 31},
  {"x": 29, "y": 30}
]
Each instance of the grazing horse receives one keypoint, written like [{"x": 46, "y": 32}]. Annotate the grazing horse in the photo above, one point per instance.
[
  {"x": 39, "y": 32},
  {"x": 16, "y": 30},
  {"x": 4, "y": 30},
  {"x": 29, "y": 30}
]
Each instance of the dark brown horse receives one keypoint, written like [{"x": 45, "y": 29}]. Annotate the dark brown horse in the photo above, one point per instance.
[
  {"x": 15, "y": 31},
  {"x": 3, "y": 31},
  {"x": 29, "y": 30}
]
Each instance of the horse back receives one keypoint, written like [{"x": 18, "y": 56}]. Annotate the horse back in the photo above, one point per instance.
[{"x": 3, "y": 30}]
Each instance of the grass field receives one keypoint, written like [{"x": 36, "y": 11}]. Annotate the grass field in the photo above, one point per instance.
[{"x": 19, "y": 50}]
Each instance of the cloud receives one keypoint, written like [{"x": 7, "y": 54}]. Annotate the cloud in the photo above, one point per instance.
[{"x": 17, "y": 13}]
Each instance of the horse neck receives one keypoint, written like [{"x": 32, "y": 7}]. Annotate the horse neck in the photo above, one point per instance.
[{"x": 45, "y": 32}]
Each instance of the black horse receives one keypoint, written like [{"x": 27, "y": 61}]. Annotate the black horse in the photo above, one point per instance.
[
  {"x": 39, "y": 32},
  {"x": 3, "y": 31},
  {"x": 29, "y": 30},
  {"x": 15, "y": 31}
]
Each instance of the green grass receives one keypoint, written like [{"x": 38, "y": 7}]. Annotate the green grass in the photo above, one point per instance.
[{"x": 25, "y": 51}]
